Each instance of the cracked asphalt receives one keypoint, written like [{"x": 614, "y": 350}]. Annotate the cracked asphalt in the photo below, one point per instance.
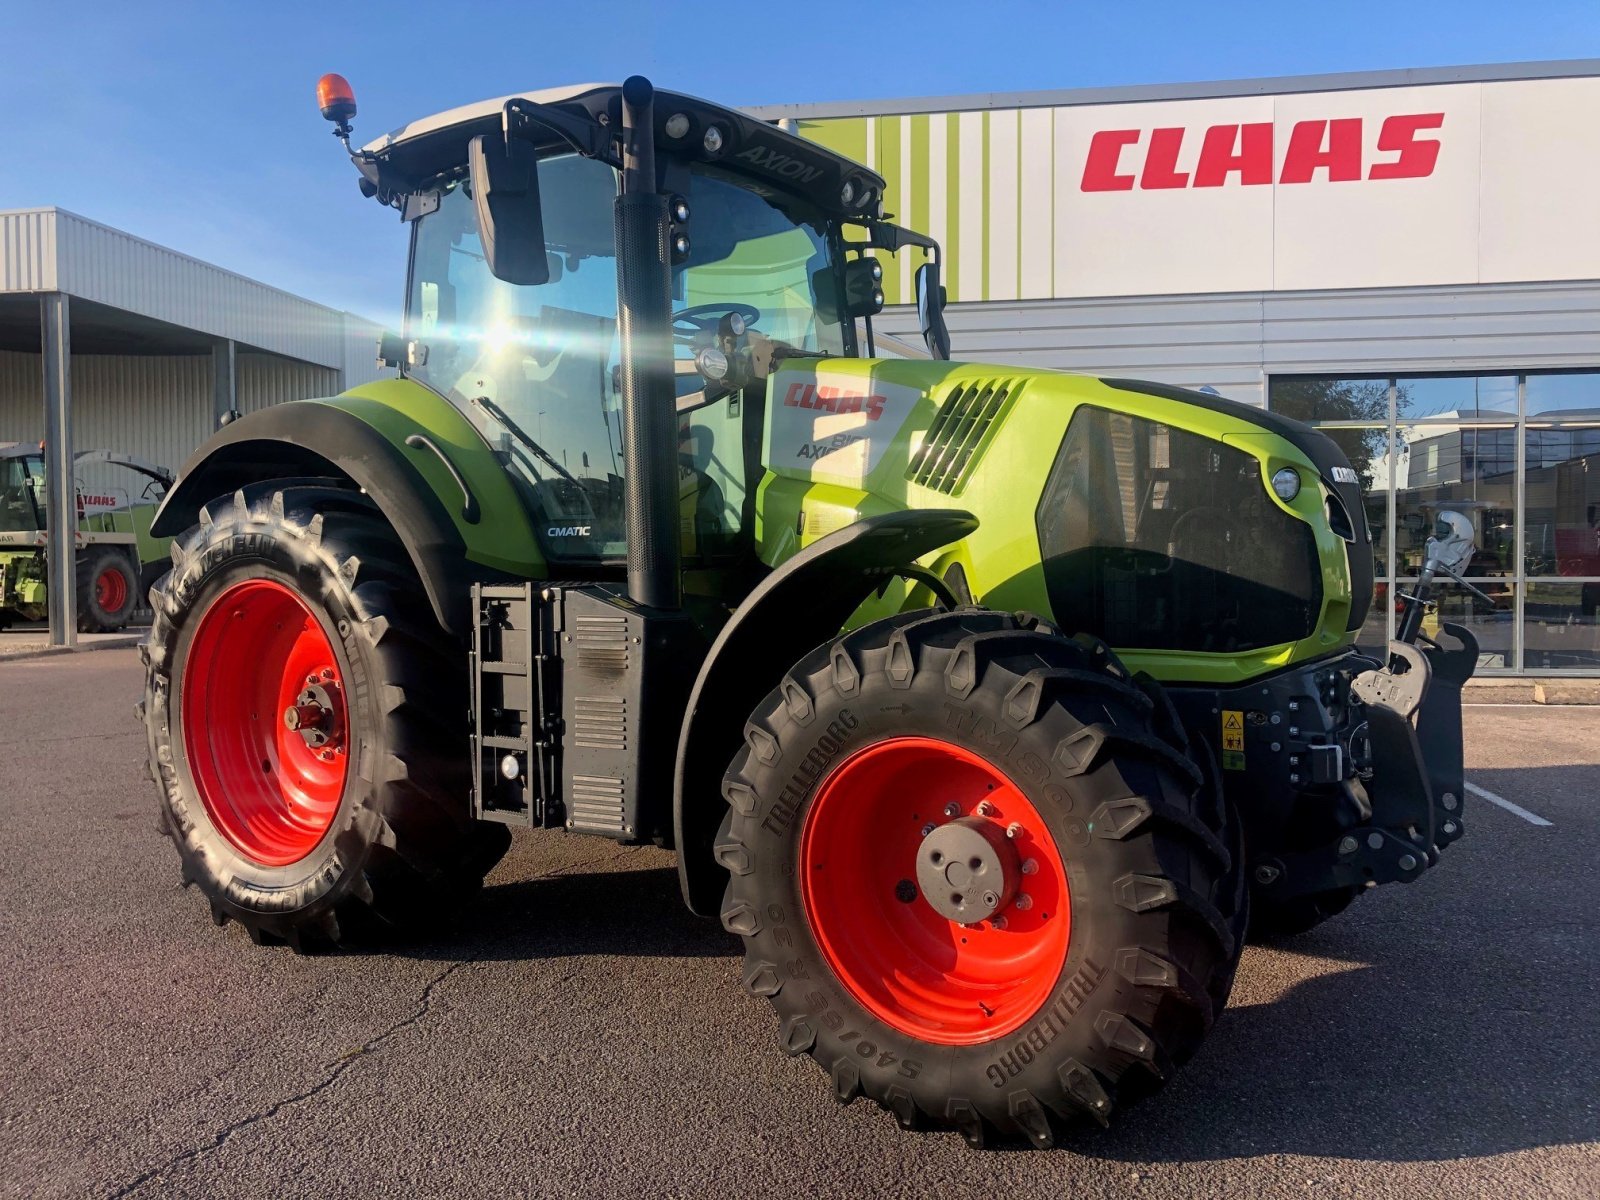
[{"x": 580, "y": 1034}]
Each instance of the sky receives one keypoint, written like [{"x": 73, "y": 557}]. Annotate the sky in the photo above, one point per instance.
[{"x": 195, "y": 125}]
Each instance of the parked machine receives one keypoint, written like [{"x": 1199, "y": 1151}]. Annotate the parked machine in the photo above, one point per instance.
[
  {"x": 117, "y": 558},
  {"x": 981, "y": 703}
]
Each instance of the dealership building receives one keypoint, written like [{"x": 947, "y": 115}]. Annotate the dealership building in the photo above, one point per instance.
[{"x": 1409, "y": 259}]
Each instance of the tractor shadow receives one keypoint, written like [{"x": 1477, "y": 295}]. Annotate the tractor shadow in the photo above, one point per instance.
[
  {"x": 1446, "y": 1020},
  {"x": 632, "y": 913}
]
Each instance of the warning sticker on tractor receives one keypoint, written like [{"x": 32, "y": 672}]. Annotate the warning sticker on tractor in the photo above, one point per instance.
[{"x": 1232, "y": 740}]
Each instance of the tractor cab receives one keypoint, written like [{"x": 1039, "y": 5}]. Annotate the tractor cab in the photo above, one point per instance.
[
  {"x": 22, "y": 492},
  {"x": 767, "y": 238}
]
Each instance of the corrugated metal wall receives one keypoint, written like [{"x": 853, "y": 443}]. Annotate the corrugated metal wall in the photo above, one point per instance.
[
  {"x": 103, "y": 264},
  {"x": 28, "y": 251},
  {"x": 1234, "y": 342},
  {"x": 266, "y": 379},
  {"x": 157, "y": 407}
]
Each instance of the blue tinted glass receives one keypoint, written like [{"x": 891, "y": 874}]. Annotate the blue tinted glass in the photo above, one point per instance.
[
  {"x": 1450, "y": 397},
  {"x": 1568, "y": 397}
]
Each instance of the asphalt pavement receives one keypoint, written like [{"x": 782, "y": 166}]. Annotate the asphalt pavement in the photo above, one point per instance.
[{"x": 581, "y": 1035}]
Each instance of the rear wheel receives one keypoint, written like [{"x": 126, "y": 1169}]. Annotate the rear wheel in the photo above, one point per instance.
[
  {"x": 307, "y": 722},
  {"x": 976, "y": 877},
  {"x": 108, "y": 590}
]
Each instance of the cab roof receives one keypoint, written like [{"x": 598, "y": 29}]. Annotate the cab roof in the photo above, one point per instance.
[{"x": 409, "y": 158}]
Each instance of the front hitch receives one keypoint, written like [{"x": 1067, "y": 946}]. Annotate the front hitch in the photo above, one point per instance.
[{"x": 1409, "y": 790}]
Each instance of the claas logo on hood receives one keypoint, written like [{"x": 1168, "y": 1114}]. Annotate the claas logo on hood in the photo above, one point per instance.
[{"x": 834, "y": 400}]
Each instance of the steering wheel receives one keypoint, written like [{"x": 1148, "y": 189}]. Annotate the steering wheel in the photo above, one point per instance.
[{"x": 706, "y": 318}]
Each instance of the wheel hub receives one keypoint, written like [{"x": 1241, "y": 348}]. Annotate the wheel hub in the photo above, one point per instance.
[
  {"x": 313, "y": 716},
  {"x": 968, "y": 870}
]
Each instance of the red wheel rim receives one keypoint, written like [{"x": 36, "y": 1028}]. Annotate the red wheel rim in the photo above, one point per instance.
[
  {"x": 267, "y": 788},
  {"x": 110, "y": 590},
  {"x": 911, "y": 967}
]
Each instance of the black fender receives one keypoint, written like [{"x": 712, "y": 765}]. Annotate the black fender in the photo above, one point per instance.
[
  {"x": 276, "y": 442},
  {"x": 801, "y": 605}
]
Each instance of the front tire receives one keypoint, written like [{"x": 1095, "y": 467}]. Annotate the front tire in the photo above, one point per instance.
[
  {"x": 1078, "y": 1001},
  {"x": 306, "y": 719}
]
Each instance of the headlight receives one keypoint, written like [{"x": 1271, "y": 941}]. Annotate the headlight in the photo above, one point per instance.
[
  {"x": 713, "y": 141},
  {"x": 712, "y": 363},
  {"x": 1286, "y": 483}
]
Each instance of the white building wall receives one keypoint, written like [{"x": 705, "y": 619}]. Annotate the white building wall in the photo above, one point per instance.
[{"x": 1234, "y": 342}]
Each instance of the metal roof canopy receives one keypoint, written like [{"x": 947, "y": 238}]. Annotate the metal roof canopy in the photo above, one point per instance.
[
  {"x": 44, "y": 250},
  {"x": 1343, "y": 81}
]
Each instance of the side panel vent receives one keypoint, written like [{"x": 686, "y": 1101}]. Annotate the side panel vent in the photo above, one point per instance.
[
  {"x": 959, "y": 434},
  {"x": 602, "y": 643},
  {"x": 600, "y": 722},
  {"x": 597, "y": 804}
]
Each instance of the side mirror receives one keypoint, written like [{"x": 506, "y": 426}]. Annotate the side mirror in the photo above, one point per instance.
[
  {"x": 930, "y": 310},
  {"x": 1453, "y": 541},
  {"x": 504, "y": 178},
  {"x": 863, "y": 287}
]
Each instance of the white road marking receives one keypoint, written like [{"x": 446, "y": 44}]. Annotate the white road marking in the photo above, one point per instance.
[
  {"x": 1483, "y": 793},
  {"x": 1523, "y": 704}
]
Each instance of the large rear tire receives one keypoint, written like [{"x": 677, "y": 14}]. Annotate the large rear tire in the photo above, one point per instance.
[
  {"x": 108, "y": 589},
  {"x": 927, "y": 729},
  {"x": 307, "y": 722}
]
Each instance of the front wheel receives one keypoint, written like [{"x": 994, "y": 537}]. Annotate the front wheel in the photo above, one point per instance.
[
  {"x": 306, "y": 719},
  {"x": 976, "y": 876}
]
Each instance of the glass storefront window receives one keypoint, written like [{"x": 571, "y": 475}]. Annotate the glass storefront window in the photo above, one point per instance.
[
  {"x": 1521, "y": 468},
  {"x": 1315, "y": 400},
  {"x": 1563, "y": 397},
  {"x": 1561, "y": 535},
  {"x": 1561, "y": 629},
  {"x": 1470, "y": 470},
  {"x": 1455, "y": 397},
  {"x": 1492, "y": 623}
]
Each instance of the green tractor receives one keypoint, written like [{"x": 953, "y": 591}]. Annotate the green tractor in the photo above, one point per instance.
[
  {"x": 983, "y": 704},
  {"x": 117, "y": 557}
]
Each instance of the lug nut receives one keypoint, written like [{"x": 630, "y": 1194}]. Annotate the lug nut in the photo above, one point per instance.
[
  {"x": 1266, "y": 873},
  {"x": 1450, "y": 827},
  {"x": 927, "y": 829},
  {"x": 1014, "y": 830},
  {"x": 1023, "y": 902},
  {"x": 952, "y": 809},
  {"x": 985, "y": 809},
  {"x": 1030, "y": 867},
  {"x": 1347, "y": 845},
  {"x": 1407, "y": 862},
  {"x": 998, "y": 922}
]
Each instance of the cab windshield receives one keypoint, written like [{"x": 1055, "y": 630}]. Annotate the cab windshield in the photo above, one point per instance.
[
  {"x": 21, "y": 494},
  {"x": 536, "y": 368}
]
